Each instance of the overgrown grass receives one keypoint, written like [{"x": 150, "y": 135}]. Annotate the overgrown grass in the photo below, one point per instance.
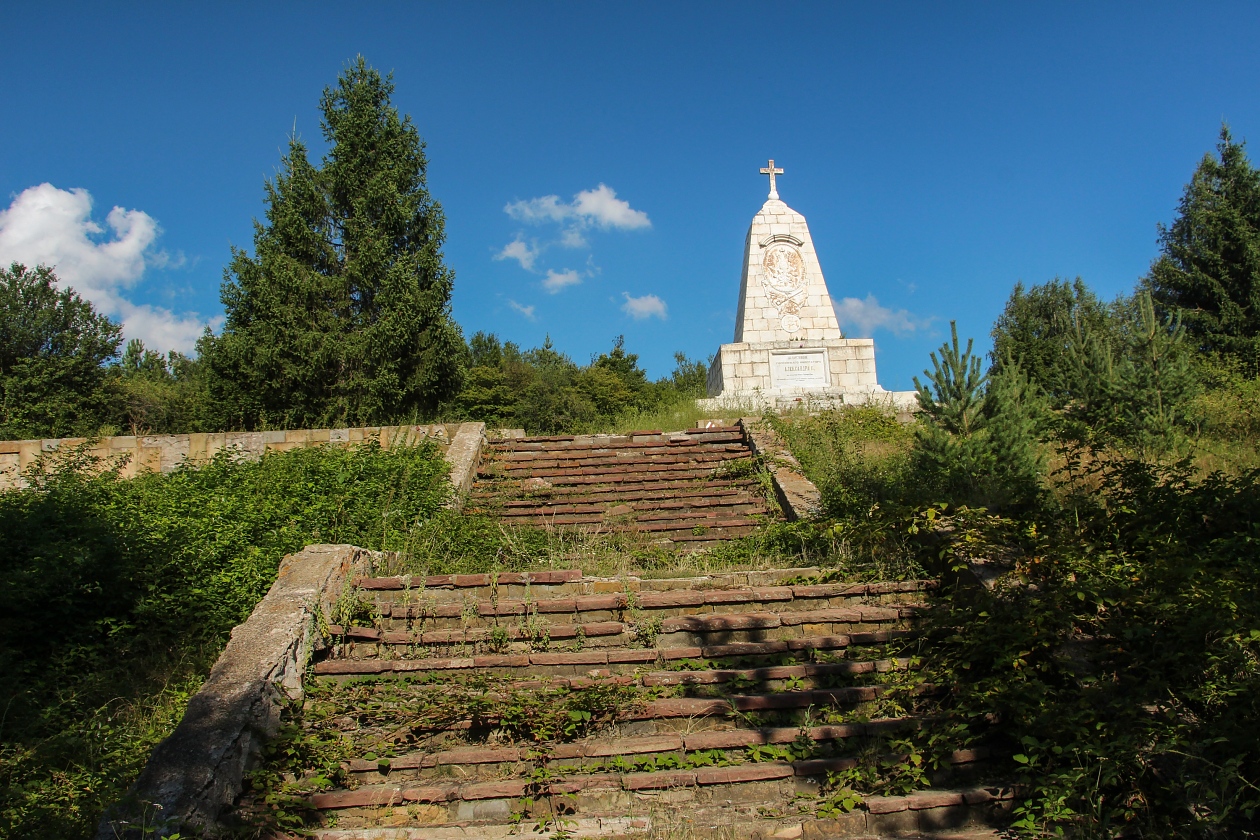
[
  {"x": 118, "y": 594},
  {"x": 678, "y": 412},
  {"x": 456, "y": 543}
]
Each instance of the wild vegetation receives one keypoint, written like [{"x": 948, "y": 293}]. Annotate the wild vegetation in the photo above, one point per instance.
[{"x": 120, "y": 593}]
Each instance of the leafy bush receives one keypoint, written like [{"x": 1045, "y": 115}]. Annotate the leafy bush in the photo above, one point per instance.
[
  {"x": 1121, "y": 659},
  {"x": 119, "y": 593}
]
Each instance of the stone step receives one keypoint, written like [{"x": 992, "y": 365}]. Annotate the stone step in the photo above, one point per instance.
[
  {"x": 446, "y": 609},
  {"x": 619, "y": 478},
  {"x": 730, "y": 799},
  {"x": 625, "y": 474},
  {"x": 804, "y": 675},
  {"x": 561, "y": 443},
  {"x": 669, "y": 522},
  {"x": 662, "y": 490},
  {"x": 640, "y": 511},
  {"x": 675, "y": 631},
  {"x": 715, "y": 822},
  {"x": 472, "y": 755},
  {"x": 598, "y": 458},
  {"x": 545, "y": 586},
  {"x": 580, "y": 663},
  {"x": 582, "y": 610}
]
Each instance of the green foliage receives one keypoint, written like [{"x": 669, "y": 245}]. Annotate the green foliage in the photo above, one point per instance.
[
  {"x": 977, "y": 442},
  {"x": 119, "y": 593},
  {"x": 1037, "y": 327},
  {"x": 1122, "y": 658},
  {"x": 160, "y": 394},
  {"x": 53, "y": 348},
  {"x": 545, "y": 392},
  {"x": 342, "y": 316},
  {"x": 1209, "y": 269},
  {"x": 1134, "y": 389}
]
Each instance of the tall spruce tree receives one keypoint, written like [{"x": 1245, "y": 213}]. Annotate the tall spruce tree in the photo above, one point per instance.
[
  {"x": 54, "y": 347},
  {"x": 342, "y": 316},
  {"x": 1209, "y": 269}
]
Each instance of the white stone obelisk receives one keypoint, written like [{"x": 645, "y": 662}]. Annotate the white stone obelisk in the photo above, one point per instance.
[{"x": 788, "y": 345}]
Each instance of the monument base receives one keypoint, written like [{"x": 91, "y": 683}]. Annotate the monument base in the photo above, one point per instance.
[{"x": 783, "y": 374}]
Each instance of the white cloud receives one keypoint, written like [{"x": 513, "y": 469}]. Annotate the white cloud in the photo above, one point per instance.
[
  {"x": 520, "y": 251},
  {"x": 598, "y": 207},
  {"x": 866, "y": 316},
  {"x": 48, "y": 226},
  {"x": 647, "y": 306},
  {"x": 527, "y": 311},
  {"x": 572, "y": 238},
  {"x": 557, "y": 280},
  {"x": 549, "y": 208},
  {"x": 602, "y": 207}
]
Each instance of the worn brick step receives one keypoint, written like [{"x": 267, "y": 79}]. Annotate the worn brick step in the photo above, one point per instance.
[
  {"x": 562, "y": 443},
  {"x": 452, "y": 623},
  {"x": 628, "y": 478},
  {"x": 700, "y": 707},
  {"x": 468, "y": 581},
  {"x": 543, "y": 469},
  {"x": 559, "y": 475},
  {"x": 715, "y": 519},
  {"x": 650, "y": 497},
  {"x": 717, "y": 812},
  {"x": 582, "y": 662},
  {"x": 634, "y": 745},
  {"x": 649, "y": 520},
  {"x": 595, "y": 458},
  {"x": 593, "y": 757},
  {"x": 377, "y": 796},
  {"x": 394, "y": 601},
  {"x": 641, "y": 509},
  {"x": 592, "y": 458},
  {"x": 577, "y": 584},
  {"x": 603, "y": 514},
  {"x": 661, "y": 490},
  {"x": 773, "y": 673}
]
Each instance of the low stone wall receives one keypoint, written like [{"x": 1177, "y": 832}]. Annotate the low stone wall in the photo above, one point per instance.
[
  {"x": 198, "y": 771},
  {"x": 796, "y": 494},
  {"x": 163, "y": 453}
]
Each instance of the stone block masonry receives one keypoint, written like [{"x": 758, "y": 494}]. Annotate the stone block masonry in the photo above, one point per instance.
[
  {"x": 460, "y": 442},
  {"x": 788, "y": 345}
]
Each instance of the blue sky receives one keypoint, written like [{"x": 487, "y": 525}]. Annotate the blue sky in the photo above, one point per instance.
[{"x": 941, "y": 152}]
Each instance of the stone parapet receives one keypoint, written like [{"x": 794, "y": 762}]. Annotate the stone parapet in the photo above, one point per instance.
[
  {"x": 163, "y": 453},
  {"x": 195, "y": 775}
]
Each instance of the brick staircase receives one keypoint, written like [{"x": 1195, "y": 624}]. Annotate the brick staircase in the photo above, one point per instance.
[
  {"x": 554, "y": 704},
  {"x": 693, "y": 488}
]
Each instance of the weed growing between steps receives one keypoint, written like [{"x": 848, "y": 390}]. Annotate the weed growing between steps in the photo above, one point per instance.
[
  {"x": 453, "y": 543},
  {"x": 357, "y": 732},
  {"x": 119, "y": 594}
]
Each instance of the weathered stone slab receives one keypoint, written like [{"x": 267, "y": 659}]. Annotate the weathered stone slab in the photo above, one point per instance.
[{"x": 197, "y": 772}]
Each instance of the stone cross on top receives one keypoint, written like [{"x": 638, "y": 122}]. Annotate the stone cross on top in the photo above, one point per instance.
[{"x": 771, "y": 171}]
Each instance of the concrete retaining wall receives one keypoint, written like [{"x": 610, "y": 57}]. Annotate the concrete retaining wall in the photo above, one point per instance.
[
  {"x": 198, "y": 771},
  {"x": 163, "y": 453}
]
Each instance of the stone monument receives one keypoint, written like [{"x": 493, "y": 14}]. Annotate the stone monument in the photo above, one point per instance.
[{"x": 788, "y": 345}]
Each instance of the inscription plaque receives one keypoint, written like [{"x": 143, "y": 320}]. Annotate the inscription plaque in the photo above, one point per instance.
[{"x": 801, "y": 369}]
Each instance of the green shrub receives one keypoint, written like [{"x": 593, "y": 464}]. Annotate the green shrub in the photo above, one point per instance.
[{"x": 119, "y": 593}]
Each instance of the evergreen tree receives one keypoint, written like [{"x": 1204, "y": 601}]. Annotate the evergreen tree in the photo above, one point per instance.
[
  {"x": 978, "y": 442},
  {"x": 53, "y": 350},
  {"x": 1037, "y": 326},
  {"x": 1209, "y": 270},
  {"x": 342, "y": 316}
]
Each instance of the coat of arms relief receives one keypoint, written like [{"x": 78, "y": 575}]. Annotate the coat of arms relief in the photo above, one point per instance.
[{"x": 785, "y": 283}]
